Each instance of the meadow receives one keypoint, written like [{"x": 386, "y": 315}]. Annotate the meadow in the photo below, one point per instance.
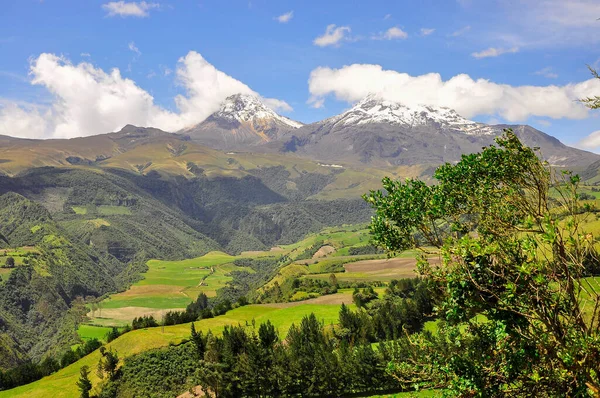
[
  {"x": 62, "y": 383},
  {"x": 168, "y": 285}
]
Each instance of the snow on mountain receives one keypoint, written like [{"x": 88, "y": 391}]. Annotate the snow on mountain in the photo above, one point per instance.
[
  {"x": 373, "y": 109},
  {"x": 241, "y": 121},
  {"x": 249, "y": 108}
]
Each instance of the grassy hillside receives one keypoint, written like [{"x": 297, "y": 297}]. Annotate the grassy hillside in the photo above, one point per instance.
[{"x": 62, "y": 383}]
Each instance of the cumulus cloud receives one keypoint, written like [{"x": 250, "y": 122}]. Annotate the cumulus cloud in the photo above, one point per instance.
[
  {"x": 89, "y": 100},
  {"x": 22, "y": 120},
  {"x": 494, "y": 52},
  {"x": 333, "y": 36},
  {"x": 391, "y": 34},
  {"x": 427, "y": 31},
  {"x": 277, "y": 105},
  {"x": 285, "y": 18},
  {"x": 129, "y": 9},
  {"x": 592, "y": 141},
  {"x": 546, "y": 72},
  {"x": 470, "y": 97}
]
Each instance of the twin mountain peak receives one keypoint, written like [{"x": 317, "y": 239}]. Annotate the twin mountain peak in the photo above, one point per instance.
[{"x": 375, "y": 131}]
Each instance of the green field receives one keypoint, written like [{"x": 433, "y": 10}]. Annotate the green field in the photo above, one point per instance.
[
  {"x": 62, "y": 383},
  {"x": 168, "y": 285},
  {"x": 87, "y": 332}
]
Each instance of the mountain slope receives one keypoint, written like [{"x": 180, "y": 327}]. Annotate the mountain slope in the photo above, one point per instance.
[
  {"x": 384, "y": 133},
  {"x": 242, "y": 121},
  {"x": 37, "y": 299}
]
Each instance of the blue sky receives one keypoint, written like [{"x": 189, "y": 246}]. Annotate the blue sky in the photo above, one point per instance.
[{"x": 510, "y": 44}]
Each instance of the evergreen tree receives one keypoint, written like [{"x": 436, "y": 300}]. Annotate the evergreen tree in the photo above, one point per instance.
[
  {"x": 84, "y": 384},
  {"x": 199, "y": 341}
]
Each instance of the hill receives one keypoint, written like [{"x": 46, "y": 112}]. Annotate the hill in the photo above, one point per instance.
[
  {"x": 40, "y": 298},
  {"x": 62, "y": 383}
]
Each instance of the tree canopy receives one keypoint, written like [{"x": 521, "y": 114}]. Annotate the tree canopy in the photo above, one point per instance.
[{"x": 514, "y": 279}]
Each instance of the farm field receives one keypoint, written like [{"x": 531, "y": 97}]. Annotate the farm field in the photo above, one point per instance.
[
  {"x": 87, "y": 332},
  {"x": 383, "y": 270},
  {"x": 172, "y": 285},
  {"x": 167, "y": 285},
  {"x": 62, "y": 383}
]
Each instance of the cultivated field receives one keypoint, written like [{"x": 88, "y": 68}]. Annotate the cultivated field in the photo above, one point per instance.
[
  {"x": 167, "y": 285},
  {"x": 383, "y": 270}
]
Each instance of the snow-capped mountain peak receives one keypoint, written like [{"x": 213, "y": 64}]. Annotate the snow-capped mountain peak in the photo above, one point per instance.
[
  {"x": 374, "y": 109},
  {"x": 249, "y": 108}
]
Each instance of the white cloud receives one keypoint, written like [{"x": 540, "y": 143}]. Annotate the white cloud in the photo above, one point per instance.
[
  {"x": 129, "y": 9},
  {"x": 391, "y": 34},
  {"x": 427, "y": 31},
  {"x": 23, "y": 121},
  {"x": 467, "y": 96},
  {"x": 285, "y": 18},
  {"x": 85, "y": 55},
  {"x": 333, "y": 36},
  {"x": 88, "y": 100},
  {"x": 592, "y": 141},
  {"x": 546, "y": 72},
  {"x": 277, "y": 105},
  {"x": 461, "y": 31},
  {"x": 133, "y": 48},
  {"x": 494, "y": 52},
  {"x": 387, "y": 16}
]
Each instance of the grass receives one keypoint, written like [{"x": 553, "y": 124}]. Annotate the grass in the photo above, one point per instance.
[
  {"x": 62, "y": 383},
  {"x": 170, "y": 285},
  {"x": 87, "y": 332}
]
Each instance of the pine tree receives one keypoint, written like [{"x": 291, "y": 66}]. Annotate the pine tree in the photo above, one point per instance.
[
  {"x": 198, "y": 340},
  {"x": 84, "y": 384}
]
